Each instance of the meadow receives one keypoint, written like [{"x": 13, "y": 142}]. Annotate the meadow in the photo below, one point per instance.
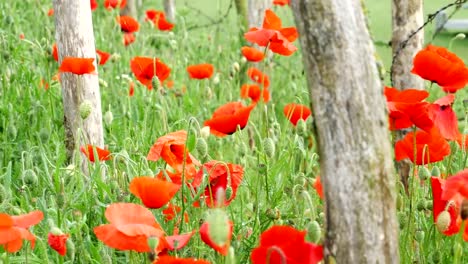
[{"x": 279, "y": 159}]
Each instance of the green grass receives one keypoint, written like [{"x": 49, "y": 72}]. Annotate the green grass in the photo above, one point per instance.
[{"x": 34, "y": 174}]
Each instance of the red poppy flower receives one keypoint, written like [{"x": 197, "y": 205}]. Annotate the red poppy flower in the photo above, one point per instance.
[
  {"x": 284, "y": 244},
  {"x": 437, "y": 64},
  {"x": 294, "y": 112},
  {"x": 432, "y": 145},
  {"x": 78, "y": 66},
  {"x": 131, "y": 90},
  {"x": 176, "y": 242},
  {"x": 128, "y": 24},
  {"x": 109, "y": 4},
  {"x": 175, "y": 260},
  {"x": 21, "y": 36},
  {"x": 200, "y": 71},
  {"x": 55, "y": 52},
  {"x": 128, "y": 38},
  {"x": 103, "y": 56},
  {"x": 153, "y": 192},
  {"x": 252, "y": 54},
  {"x": 159, "y": 20},
  {"x": 318, "y": 187},
  {"x": 406, "y": 108},
  {"x": 253, "y": 92},
  {"x": 281, "y": 2},
  {"x": 223, "y": 249},
  {"x": 259, "y": 77},
  {"x": 130, "y": 227},
  {"x": 456, "y": 185},
  {"x": 228, "y": 117},
  {"x": 50, "y": 12},
  {"x": 444, "y": 117},
  {"x": 146, "y": 68},
  {"x": 103, "y": 154},
  {"x": 94, "y": 5},
  {"x": 222, "y": 176},
  {"x": 440, "y": 205},
  {"x": 171, "y": 212},
  {"x": 171, "y": 148},
  {"x": 13, "y": 229},
  {"x": 272, "y": 34},
  {"x": 58, "y": 243}
]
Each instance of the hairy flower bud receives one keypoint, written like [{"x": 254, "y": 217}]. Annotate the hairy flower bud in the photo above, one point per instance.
[
  {"x": 443, "y": 221},
  {"x": 85, "y": 109},
  {"x": 269, "y": 147}
]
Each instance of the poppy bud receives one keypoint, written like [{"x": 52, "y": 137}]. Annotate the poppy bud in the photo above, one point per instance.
[
  {"x": 458, "y": 250},
  {"x": 103, "y": 83},
  {"x": 262, "y": 169},
  {"x": 269, "y": 147},
  {"x": 399, "y": 202},
  {"x": 218, "y": 231},
  {"x": 155, "y": 82},
  {"x": 44, "y": 135},
  {"x": 464, "y": 210},
  {"x": 216, "y": 79},
  {"x": 424, "y": 173},
  {"x": 401, "y": 219},
  {"x": 235, "y": 66},
  {"x": 202, "y": 147},
  {"x": 108, "y": 118},
  {"x": 229, "y": 192},
  {"x": 153, "y": 243},
  {"x": 205, "y": 132},
  {"x": 29, "y": 177},
  {"x": 273, "y": 213},
  {"x": 421, "y": 205},
  {"x": 71, "y": 250},
  {"x": 115, "y": 57},
  {"x": 60, "y": 200},
  {"x": 419, "y": 235},
  {"x": 56, "y": 231},
  {"x": 460, "y": 36},
  {"x": 435, "y": 171},
  {"x": 436, "y": 256},
  {"x": 301, "y": 127},
  {"x": 314, "y": 232},
  {"x": 12, "y": 132},
  {"x": 69, "y": 170},
  {"x": 231, "y": 258},
  {"x": 85, "y": 109},
  {"x": 429, "y": 204},
  {"x": 443, "y": 221}
]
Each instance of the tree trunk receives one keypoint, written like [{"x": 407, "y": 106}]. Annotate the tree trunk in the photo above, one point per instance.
[
  {"x": 352, "y": 132},
  {"x": 256, "y": 9},
  {"x": 170, "y": 10},
  {"x": 75, "y": 38},
  {"x": 130, "y": 9},
  {"x": 407, "y": 17}
]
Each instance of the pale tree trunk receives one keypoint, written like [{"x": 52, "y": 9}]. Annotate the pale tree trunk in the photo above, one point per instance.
[
  {"x": 352, "y": 132},
  {"x": 256, "y": 10},
  {"x": 130, "y": 9},
  {"x": 170, "y": 10},
  {"x": 75, "y": 38},
  {"x": 407, "y": 17}
]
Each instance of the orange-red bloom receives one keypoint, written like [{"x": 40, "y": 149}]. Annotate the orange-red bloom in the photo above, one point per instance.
[
  {"x": 200, "y": 71},
  {"x": 207, "y": 239},
  {"x": 153, "y": 192},
  {"x": 128, "y": 24},
  {"x": 294, "y": 112},
  {"x": 252, "y": 54},
  {"x": 437, "y": 64},
  {"x": 109, "y": 4},
  {"x": 130, "y": 227},
  {"x": 176, "y": 242},
  {"x": 226, "y": 177},
  {"x": 13, "y": 229},
  {"x": 55, "y": 52},
  {"x": 175, "y": 260},
  {"x": 318, "y": 187},
  {"x": 171, "y": 148},
  {"x": 259, "y": 77},
  {"x": 159, "y": 19},
  {"x": 131, "y": 89},
  {"x": 88, "y": 151},
  {"x": 444, "y": 117},
  {"x": 284, "y": 244},
  {"x": 456, "y": 185},
  {"x": 78, "y": 66},
  {"x": 58, "y": 243},
  {"x": 274, "y": 35},
  {"x": 50, "y": 12},
  {"x": 128, "y": 38},
  {"x": 254, "y": 92},
  {"x": 430, "y": 147},
  {"x": 171, "y": 212},
  {"x": 94, "y": 5},
  {"x": 406, "y": 108},
  {"x": 281, "y": 2},
  {"x": 103, "y": 56},
  {"x": 228, "y": 117},
  {"x": 145, "y": 69},
  {"x": 439, "y": 205}
]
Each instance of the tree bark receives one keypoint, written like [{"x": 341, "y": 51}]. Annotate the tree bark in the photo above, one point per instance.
[
  {"x": 256, "y": 10},
  {"x": 352, "y": 132},
  {"x": 407, "y": 17},
  {"x": 75, "y": 38},
  {"x": 130, "y": 9},
  {"x": 170, "y": 10}
]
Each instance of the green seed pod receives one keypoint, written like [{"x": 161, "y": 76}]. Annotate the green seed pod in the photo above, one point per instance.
[
  {"x": 269, "y": 147},
  {"x": 29, "y": 177},
  {"x": 436, "y": 258},
  {"x": 419, "y": 236},
  {"x": 44, "y": 135},
  {"x": 108, "y": 118},
  {"x": 85, "y": 109},
  {"x": 12, "y": 132},
  {"x": 60, "y": 200},
  {"x": 153, "y": 243},
  {"x": 424, "y": 173},
  {"x": 421, "y": 205},
  {"x": 402, "y": 219},
  {"x": 314, "y": 232},
  {"x": 429, "y": 204},
  {"x": 262, "y": 169},
  {"x": 202, "y": 147},
  {"x": 443, "y": 221},
  {"x": 273, "y": 213},
  {"x": 435, "y": 171}
]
